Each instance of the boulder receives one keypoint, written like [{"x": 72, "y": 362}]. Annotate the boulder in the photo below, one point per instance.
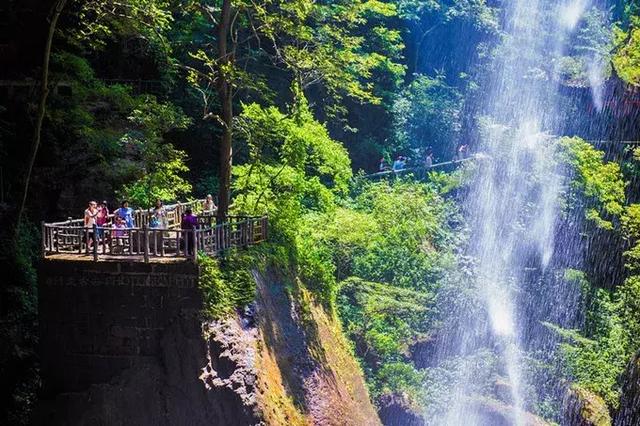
[{"x": 582, "y": 407}]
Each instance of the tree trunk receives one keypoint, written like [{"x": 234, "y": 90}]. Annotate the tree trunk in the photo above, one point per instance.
[
  {"x": 56, "y": 10},
  {"x": 225, "y": 95}
]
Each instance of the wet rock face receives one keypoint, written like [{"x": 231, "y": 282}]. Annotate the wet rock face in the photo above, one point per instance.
[
  {"x": 395, "y": 410},
  {"x": 629, "y": 412},
  {"x": 126, "y": 345},
  {"x": 491, "y": 412},
  {"x": 584, "y": 408}
]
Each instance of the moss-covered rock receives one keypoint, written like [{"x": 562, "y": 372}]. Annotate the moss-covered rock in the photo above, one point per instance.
[
  {"x": 582, "y": 407},
  {"x": 307, "y": 371}
]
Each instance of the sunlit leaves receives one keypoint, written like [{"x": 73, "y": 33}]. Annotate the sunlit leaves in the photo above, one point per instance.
[
  {"x": 597, "y": 180},
  {"x": 100, "y": 20},
  {"x": 627, "y": 57},
  {"x": 339, "y": 46},
  {"x": 157, "y": 168}
]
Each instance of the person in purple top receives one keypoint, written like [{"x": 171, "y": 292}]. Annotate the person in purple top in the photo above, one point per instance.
[{"x": 189, "y": 222}]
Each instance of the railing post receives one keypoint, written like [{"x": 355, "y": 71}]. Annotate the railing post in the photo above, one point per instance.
[
  {"x": 195, "y": 246},
  {"x": 265, "y": 228},
  {"x": 94, "y": 237},
  {"x": 145, "y": 242},
  {"x": 44, "y": 239}
]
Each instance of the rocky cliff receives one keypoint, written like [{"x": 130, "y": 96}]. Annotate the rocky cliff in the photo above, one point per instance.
[
  {"x": 629, "y": 412},
  {"x": 139, "y": 352}
]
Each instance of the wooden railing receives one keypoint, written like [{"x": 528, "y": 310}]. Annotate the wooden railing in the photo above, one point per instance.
[{"x": 143, "y": 243}]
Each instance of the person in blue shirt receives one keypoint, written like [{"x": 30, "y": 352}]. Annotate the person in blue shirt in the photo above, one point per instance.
[
  {"x": 126, "y": 213},
  {"x": 399, "y": 164}
]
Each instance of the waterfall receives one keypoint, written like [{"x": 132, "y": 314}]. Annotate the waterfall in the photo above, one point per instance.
[{"x": 513, "y": 206}]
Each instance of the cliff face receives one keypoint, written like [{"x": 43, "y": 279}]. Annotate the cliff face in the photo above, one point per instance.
[
  {"x": 307, "y": 372},
  {"x": 137, "y": 351},
  {"x": 629, "y": 412},
  {"x": 168, "y": 389}
]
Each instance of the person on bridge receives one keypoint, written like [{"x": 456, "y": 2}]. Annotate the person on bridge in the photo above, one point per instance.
[
  {"x": 90, "y": 215},
  {"x": 399, "y": 164},
  {"x": 428, "y": 159},
  {"x": 209, "y": 205},
  {"x": 461, "y": 152},
  {"x": 126, "y": 213},
  {"x": 189, "y": 223},
  {"x": 383, "y": 166},
  {"x": 158, "y": 216}
]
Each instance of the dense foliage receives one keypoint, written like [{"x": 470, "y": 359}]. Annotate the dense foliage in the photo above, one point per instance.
[{"x": 390, "y": 246}]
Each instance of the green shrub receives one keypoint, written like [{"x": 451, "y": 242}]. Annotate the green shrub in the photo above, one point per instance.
[
  {"x": 227, "y": 284},
  {"x": 600, "y": 182}
]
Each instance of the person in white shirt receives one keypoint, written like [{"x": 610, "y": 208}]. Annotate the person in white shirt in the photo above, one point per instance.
[
  {"x": 90, "y": 215},
  {"x": 209, "y": 205}
]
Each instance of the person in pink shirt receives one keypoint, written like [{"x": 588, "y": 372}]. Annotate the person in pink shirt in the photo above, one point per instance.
[
  {"x": 118, "y": 234},
  {"x": 102, "y": 218}
]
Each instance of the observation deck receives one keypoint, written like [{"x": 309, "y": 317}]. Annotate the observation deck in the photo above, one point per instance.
[{"x": 70, "y": 240}]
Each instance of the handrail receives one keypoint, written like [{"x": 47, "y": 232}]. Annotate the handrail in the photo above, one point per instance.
[{"x": 143, "y": 242}]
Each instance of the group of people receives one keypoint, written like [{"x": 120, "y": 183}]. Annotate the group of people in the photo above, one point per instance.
[
  {"x": 97, "y": 216},
  {"x": 400, "y": 163}
]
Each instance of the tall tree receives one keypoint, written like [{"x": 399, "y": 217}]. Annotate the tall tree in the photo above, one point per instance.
[
  {"x": 337, "y": 45},
  {"x": 225, "y": 61},
  {"x": 56, "y": 10}
]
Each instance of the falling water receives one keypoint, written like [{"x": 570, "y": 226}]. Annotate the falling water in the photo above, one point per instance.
[{"x": 514, "y": 204}]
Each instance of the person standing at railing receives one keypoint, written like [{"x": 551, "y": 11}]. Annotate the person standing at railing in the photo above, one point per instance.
[
  {"x": 102, "y": 218},
  {"x": 399, "y": 164},
  {"x": 159, "y": 216},
  {"x": 461, "y": 152},
  {"x": 189, "y": 223},
  {"x": 118, "y": 235},
  {"x": 90, "y": 215},
  {"x": 428, "y": 158},
  {"x": 383, "y": 166},
  {"x": 126, "y": 213},
  {"x": 208, "y": 205}
]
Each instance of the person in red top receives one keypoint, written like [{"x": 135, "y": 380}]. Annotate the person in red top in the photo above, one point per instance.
[{"x": 102, "y": 218}]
